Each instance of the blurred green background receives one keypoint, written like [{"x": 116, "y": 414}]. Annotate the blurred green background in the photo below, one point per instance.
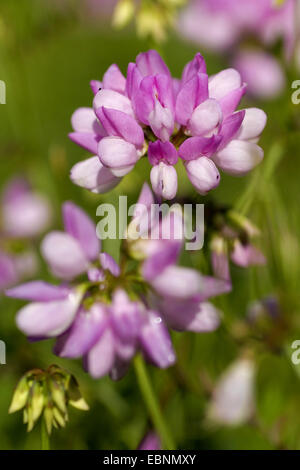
[{"x": 48, "y": 56}]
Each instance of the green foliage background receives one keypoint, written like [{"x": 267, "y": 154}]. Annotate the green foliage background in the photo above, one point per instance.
[{"x": 47, "y": 58}]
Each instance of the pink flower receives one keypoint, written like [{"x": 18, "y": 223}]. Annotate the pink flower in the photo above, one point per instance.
[
  {"x": 96, "y": 313},
  {"x": 194, "y": 118}
]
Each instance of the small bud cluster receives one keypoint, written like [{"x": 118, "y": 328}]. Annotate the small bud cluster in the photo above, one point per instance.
[{"x": 47, "y": 393}]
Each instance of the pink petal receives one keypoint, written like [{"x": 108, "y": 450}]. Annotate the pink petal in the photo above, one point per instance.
[
  {"x": 64, "y": 255},
  {"x": 84, "y": 120},
  {"x": 205, "y": 118},
  {"x": 156, "y": 342},
  {"x": 223, "y": 83},
  {"x": 253, "y": 124},
  {"x": 117, "y": 154},
  {"x": 151, "y": 63},
  {"x": 196, "y": 147},
  {"x": 48, "y": 319},
  {"x": 79, "y": 225},
  {"x": 164, "y": 180},
  {"x": 193, "y": 93},
  {"x": 92, "y": 175},
  {"x": 120, "y": 124},
  {"x": 87, "y": 140},
  {"x": 38, "y": 291},
  {"x": 86, "y": 329},
  {"x": 113, "y": 100},
  {"x": 100, "y": 358},
  {"x": 114, "y": 79},
  {"x": 178, "y": 282},
  {"x": 108, "y": 263},
  {"x": 239, "y": 157},
  {"x": 203, "y": 174}
]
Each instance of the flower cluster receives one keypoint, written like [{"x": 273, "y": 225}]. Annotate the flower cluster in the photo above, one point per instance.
[
  {"x": 194, "y": 119},
  {"x": 104, "y": 312},
  {"x": 24, "y": 215},
  {"x": 222, "y": 24}
]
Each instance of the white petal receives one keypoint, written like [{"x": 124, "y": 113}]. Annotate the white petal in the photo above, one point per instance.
[
  {"x": 239, "y": 157},
  {"x": 64, "y": 255},
  {"x": 224, "y": 82},
  {"x": 253, "y": 124}
]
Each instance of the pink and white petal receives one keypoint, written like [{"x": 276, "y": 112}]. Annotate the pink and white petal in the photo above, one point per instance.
[
  {"x": 203, "y": 174},
  {"x": 95, "y": 86},
  {"x": 205, "y": 118},
  {"x": 117, "y": 154},
  {"x": 178, "y": 282},
  {"x": 64, "y": 255},
  {"x": 48, "y": 319},
  {"x": 254, "y": 122},
  {"x": 85, "y": 331},
  {"x": 231, "y": 127},
  {"x": 192, "y": 93},
  {"x": 81, "y": 227},
  {"x": 196, "y": 147},
  {"x": 164, "y": 181},
  {"x": 206, "y": 319},
  {"x": 113, "y": 100},
  {"x": 166, "y": 255},
  {"x": 230, "y": 102},
  {"x": 190, "y": 315},
  {"x": 156, "y": 342},
  {"x": 122, "y": 125},
  {"x": 151, "y": 63},
  {"x": 224, "y": 82},
  {"x": 197, "y": 65},
  {"x": 239, "y": 157},
  {"x": 87, "y": 140},
  {"x": 101, "y": 357},
  {"x": 38, "y": 291},
  {"x": 84, "y": 120},
  {"x": 92, "y": 175},
  {"x": 108, "y": 263},
  {"x": 114, "y": 79}
]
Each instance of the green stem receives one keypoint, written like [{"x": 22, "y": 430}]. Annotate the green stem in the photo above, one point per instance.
[
  {"x": 152, "y": 404},
  {"x": 45, "y": 441}
]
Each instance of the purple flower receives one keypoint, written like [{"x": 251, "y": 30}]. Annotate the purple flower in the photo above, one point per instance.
[
  {"x": 24, "y": 215},
  {"x": 99, "y": 314},
  {"x": 194, "y": 118}
]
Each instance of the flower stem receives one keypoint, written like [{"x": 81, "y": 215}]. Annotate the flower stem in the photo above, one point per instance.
[
  {"x": 45, "y": 441},
  {"x": 152, "y": 404}
]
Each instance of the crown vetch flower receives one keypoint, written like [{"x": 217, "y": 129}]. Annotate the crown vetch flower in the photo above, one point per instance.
[
  {"x": 194, "y": 118},
  {"x": 105, "y": 314}
]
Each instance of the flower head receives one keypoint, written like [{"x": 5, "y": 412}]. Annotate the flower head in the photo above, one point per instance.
[
  {"x": 194, "y": 119},
  {"x": 104, "y": 312}
]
